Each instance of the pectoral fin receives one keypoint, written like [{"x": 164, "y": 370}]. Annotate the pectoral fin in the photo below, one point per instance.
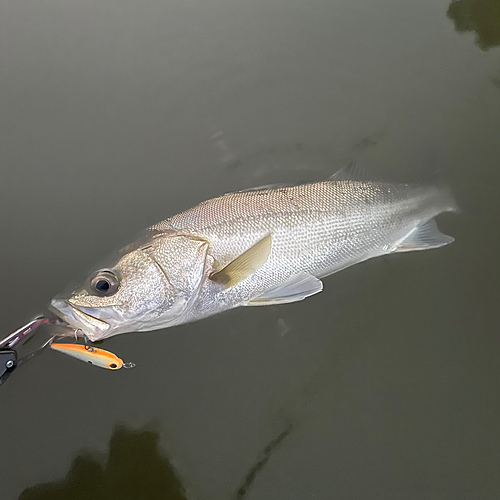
[
  {"x": 297, "y": 288},
  {"x": 245, "y": 264},
  {"x": 424, "y": 237}
]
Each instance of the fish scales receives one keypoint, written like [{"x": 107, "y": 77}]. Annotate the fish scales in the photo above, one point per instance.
[
  {"x": 344, "y": 216},
  {"x": 317, "y": 228},
  {"x": 257, "y": 247}
]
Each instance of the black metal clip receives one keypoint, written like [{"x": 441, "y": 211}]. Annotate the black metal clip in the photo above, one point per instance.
[{"x": 8, "y": 356}]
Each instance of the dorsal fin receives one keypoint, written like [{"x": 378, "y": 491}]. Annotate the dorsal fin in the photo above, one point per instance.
[
  {"x": 272, "y": 186},
  {"x": 245, "y": 264},
  {"x": 351, "y": 172}
]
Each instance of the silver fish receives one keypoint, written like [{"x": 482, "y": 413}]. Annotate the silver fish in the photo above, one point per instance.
[{"x": 265, "y": 246}]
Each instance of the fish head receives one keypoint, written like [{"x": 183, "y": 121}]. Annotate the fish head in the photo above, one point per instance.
[{"x": 149, "y": 287}]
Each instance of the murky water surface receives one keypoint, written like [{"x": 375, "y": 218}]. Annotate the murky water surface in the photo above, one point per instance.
[{"x": 117, "y": 114}]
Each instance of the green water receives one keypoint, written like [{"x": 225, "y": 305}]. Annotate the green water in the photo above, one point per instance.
[{"x": 117, "y": 114}]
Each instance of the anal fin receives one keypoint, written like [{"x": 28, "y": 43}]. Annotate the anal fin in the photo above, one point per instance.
[
  {"x": 297, "y": 288},
  {"x": 424, "y": 237}
]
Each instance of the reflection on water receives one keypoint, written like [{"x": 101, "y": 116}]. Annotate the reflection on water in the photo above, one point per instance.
[
  {"x": 283, "y": 160},
  {"x": 117, "y": 114},
  {"x": 480, "y": 16},
  {"x": 135, "y": 468},
  {"x": 260, "y": 464},
  {"x": 372, "y": 139}
]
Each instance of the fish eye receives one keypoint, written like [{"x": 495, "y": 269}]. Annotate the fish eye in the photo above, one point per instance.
[
  {"x": 104, "y": 283},
  {"x": 113, "y": 365}
]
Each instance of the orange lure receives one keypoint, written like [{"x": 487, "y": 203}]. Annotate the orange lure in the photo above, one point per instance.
[{"x": 89, "y": 354}]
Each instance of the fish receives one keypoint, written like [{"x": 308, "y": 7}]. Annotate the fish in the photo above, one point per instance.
[
  {"x": 89, "y": 354},
  {"x": 264, "y": 246}
]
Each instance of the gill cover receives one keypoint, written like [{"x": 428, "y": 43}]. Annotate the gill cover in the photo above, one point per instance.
[{"x": 182, "y": 258}]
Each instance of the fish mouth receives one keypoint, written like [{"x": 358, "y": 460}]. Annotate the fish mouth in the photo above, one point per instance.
[{"x": 80, "y": 318}]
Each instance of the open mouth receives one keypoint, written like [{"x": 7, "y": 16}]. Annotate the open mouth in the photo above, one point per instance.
[{"x": 80, "y": 318}]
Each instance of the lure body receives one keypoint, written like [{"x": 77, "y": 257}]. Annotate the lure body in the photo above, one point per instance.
[{"x": 91, "y": 355}]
